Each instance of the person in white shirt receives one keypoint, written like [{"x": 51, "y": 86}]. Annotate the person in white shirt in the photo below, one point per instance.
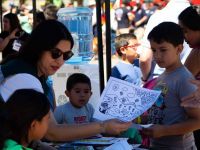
[{"x": 169, "y": 13}]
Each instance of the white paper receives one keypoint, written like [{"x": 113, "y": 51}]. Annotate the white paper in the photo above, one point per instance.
[
  {"x": 124, "y": 101},
  {"x": 140, "y": 126},
  {"x": 121, "y": 145},
  {"x": 98, "y": 141}
]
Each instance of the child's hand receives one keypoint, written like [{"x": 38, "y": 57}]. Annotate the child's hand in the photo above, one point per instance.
[{"x": 154, "y": 131}]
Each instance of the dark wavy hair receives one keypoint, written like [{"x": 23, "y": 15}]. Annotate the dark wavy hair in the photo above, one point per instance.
[
  {"x": 190, "y": 17},
  {"x": 43, "y": 38},
  {"x": 16, "y": 115},
  {"x": 14, "y": 21}
]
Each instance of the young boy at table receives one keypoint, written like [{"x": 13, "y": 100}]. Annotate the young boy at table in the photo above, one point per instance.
[
  {"x": 125, "y": 69},
  {"x": 77, "y": 110},
  {"x": 172, "y": 124}
]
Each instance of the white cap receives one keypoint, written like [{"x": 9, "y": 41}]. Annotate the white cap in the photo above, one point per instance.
[{"x": 19, "y": 81}]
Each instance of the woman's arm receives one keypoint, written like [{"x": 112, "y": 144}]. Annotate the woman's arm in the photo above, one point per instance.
[
  {"x": 193, "y": 61},
  {"x": 64, "y": 132},
  {"x": 4, "y": 42},
  {"x": 193, "y": 100}
]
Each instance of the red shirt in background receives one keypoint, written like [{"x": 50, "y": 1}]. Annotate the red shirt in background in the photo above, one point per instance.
[{"x": 196, "y": 2}]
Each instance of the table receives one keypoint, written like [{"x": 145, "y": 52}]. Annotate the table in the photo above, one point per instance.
[{"x": 98, "y": 144}]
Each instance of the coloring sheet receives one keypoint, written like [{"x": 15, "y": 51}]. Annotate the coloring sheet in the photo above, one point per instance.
[{"x": 124, "y": 101}]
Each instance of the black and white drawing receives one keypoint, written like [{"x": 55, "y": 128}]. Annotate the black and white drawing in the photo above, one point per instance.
[{"x": 124, "y": 101}]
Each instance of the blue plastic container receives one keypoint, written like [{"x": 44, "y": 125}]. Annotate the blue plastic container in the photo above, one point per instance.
[{"x": 79, "y": 22}]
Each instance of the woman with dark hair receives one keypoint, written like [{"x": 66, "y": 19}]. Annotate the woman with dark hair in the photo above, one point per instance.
[
  {"x": 12, "y": 36},
  {"x": 189, "y": 20},
  {"x": 24, "y": 118},
  {"x": 44, "y": 53}
]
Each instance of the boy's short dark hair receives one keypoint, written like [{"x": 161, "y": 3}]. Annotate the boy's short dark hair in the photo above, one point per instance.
[
  {"x": 167, "y": 32},
  {"x": 77, "y": 78},
  {"x": 122, "y": 40}
]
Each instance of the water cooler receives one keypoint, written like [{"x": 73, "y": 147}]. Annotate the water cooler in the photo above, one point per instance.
[{"x": 79, "y": 22}]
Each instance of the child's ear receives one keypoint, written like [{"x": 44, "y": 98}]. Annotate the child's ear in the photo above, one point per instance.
[
  {"x": 91, "y": 94},
  {"x": 33, "y": 125},
  {"x": 67, "y": 93},
  {"x": 180, "y": 48},
  {"x": 123, "y": 50}
]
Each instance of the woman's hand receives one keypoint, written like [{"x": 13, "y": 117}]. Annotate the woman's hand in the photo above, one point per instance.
[
  {"x": 114, "y": 126},
  {"x": 13, "y": 34},
  {"x": 193, "y": 100}
]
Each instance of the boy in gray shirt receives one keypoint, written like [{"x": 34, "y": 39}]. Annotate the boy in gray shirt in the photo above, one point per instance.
[
  {"x": 172, "y": 124},
  {"x": 77, "y": 110}
]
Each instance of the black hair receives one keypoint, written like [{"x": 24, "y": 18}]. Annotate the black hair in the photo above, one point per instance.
[
  {"x": 40, "y": 17},
  {"x": 122, "y": 40},
  {"x": 22, "y": 108},
  {"x": 167, "y": 32},
  {"x": 43, "y": 38},
  {"x": 190, "y": 17},
  {"x": 14, "y": 21},
  {"x": 77, "y": 78}
]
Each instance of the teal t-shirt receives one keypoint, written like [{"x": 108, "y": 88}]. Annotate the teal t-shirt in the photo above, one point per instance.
[{"x": 12, "y": 145}]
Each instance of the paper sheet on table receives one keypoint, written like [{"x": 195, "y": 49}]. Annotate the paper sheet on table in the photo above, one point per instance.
[
  {"x": 121, "y": 145},
  {"x": 124, "y": 101},
  {"x": 99, "y": 141}
]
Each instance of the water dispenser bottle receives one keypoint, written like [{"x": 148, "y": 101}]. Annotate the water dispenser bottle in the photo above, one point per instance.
[{"x": 79, "y": 22}]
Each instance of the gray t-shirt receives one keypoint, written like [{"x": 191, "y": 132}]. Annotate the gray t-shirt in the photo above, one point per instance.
[
  {"x": 69, "y": 114},
  {"x": 167, "y": 110}
]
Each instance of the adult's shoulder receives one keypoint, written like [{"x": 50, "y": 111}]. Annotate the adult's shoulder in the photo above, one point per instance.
[
  {"x": 19, "y": 81},
  {"x": 16, "y": 66}
]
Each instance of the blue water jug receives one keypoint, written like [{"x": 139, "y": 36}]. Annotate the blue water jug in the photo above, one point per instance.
[{"x": 79, "y": 22}]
